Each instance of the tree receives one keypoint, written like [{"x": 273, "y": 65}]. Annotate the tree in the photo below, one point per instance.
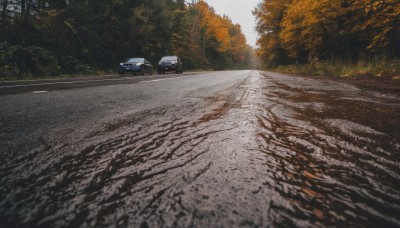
[
  {"x": 309, "y": 30},
  {"x": 79, "y": 36},
  {"x": 269, "y": 15},
  {"x": 378, "y": 25},
  {"x": 224, "y": 42}
]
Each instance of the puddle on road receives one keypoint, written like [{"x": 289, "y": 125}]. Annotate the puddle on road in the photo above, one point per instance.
[{"x": 270, "y": 151}]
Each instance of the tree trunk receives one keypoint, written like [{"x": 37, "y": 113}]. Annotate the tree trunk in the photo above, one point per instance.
[
  {"x": 28, "y": 10},
  {"x": 4, "y": 12},
  {"x": 23, "y": 7}
]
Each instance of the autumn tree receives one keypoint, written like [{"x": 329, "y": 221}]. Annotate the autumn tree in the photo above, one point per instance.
[
  {"x": 225, "y": 44},
  {"x": 317, "y": 30},
  {"x": 378, "y": 25},
  {"x": 269, "y": 15},
  {"x": 309, "y": 30}
]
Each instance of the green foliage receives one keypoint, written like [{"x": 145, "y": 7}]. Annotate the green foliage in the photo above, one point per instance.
[
  {"x": 68, "y": 64},
  {"x": 83, "y": 69},
  {"x": 46, "y": 38},
  {"x": 18, "y": 61}
]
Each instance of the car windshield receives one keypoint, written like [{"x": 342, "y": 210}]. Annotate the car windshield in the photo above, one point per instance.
[
  {"x": 169, "y": 58},
  {"x": 135, "y": 60}
]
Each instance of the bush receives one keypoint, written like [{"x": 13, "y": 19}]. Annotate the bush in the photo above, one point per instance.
[
  {"x": 8, "y": 72},
  {"x": 18, "y": 61},
  {"x": 83, "y": 69},
  {"x": 68, "y": 64}
]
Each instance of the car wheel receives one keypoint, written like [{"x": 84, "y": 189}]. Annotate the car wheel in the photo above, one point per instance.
[
  {"x": 142, "y": 72},
  {"x": 177, "y": 71},
  {"x": 151, "y": 71}
]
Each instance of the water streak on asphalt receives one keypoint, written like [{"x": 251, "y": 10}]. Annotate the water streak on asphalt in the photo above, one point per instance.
[{"x": 272, "y": 150}]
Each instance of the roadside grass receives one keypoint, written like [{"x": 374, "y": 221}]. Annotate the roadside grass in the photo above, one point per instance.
[
  {"x": 13, "y": 77},
  {"x": 338, "y": 69}
]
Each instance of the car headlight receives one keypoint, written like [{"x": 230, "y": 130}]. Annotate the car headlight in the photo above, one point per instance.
[
  {"x": 121, "y": 64},
  {"x": 174, "y": 62}
]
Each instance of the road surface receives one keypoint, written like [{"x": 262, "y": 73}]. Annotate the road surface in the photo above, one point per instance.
[{"x": 220, "y": 149}]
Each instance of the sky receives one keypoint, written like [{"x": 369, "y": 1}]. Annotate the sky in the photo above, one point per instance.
[{"x": 240, "y": 13}]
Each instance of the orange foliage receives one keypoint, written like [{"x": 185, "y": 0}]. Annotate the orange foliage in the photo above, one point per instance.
[
  {"x": 308, "y": 30},
  {"x": 229, "y": 36}
]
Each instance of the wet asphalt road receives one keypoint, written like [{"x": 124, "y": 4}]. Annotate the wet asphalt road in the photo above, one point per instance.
[{"x": 221, "y": 149}]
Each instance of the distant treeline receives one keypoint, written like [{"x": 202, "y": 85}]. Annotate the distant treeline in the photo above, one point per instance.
[
  {"x": 306, "y": 31},
  {"x": 52, "y": 37}
]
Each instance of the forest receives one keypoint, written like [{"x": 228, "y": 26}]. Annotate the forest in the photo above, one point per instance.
[
  {"x": 309, "y": 31},
  {"x": 49, "y": 38}
]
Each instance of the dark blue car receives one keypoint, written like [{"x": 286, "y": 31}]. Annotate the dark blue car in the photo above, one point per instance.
[
  {"x": 170, "y": 63},
  {"x": 136, "y": 65}
]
